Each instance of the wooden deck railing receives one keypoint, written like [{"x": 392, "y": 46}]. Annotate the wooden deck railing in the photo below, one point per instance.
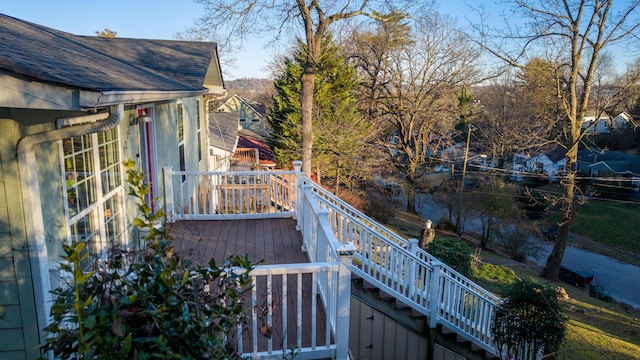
[{"x": 331, "y": 227}]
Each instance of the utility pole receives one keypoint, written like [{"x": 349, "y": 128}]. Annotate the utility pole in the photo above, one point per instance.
[{"x": 461, "y": 187}]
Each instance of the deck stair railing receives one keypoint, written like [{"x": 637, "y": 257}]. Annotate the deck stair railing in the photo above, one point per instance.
[{"x": 395, "y": 265}]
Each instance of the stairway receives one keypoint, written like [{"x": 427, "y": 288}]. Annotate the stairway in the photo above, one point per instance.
[{"x": 455, "y": 346}]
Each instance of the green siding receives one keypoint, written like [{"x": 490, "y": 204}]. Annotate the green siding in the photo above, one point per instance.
[
  {"x": 9, "y": 293},
  {"x": 12, "y": 340},
  {"x": 7, "y": 272},
  {"x": 12, "y": 318},
  {"x": 16, "y": 287}
]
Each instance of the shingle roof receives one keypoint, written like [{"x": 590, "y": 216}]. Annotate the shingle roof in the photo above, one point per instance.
[
  {"x": 251, "y": 140},
  {"x": 102, "y": 64},
  {"x": 223, "y": 130}
]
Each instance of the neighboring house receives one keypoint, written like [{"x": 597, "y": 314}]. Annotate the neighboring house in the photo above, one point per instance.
[
  {"x": 253, "y": 147},
  {"x": 550, "y": 161},
  {"x": 605, "y": 124},
  {"x": 252, "y": 115},
  {"x": 223, "y": 139},
  {"x": 624, "y": 169},
  {"x": 72, "y": 108}
]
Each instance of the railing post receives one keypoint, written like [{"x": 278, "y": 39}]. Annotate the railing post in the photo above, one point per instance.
[
  {"x": 167, "y": 172},
  {"x": 345, "y": 255},
  {"x": 435, "y": 292},
  {"x": 297, "y": 167},
  {"x": 413, "y": 248}
]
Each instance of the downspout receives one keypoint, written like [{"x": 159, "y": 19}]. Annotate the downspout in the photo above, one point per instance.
[{"x": 32, "y": 207}]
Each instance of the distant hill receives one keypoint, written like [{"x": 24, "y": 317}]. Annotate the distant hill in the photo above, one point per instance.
[
  {"x": 260, "y": 90},
  {"x": 249, "y": 85}
]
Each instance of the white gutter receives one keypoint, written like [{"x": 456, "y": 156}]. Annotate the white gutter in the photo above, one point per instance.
[
  {"x": 32, "y": 207},
  {"x": 93, "y": 99}
]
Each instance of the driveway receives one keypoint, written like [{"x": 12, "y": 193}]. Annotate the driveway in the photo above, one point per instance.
[{"x": 620, "y": 279}]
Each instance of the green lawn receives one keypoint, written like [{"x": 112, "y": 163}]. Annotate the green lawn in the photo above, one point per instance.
[
  {"x": 610, "y": 223},
  {"x": 607, "y": 227},
  {"x": 595, "y": 329}
]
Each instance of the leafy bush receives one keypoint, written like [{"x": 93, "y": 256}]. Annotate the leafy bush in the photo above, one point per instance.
[
  {"x": 155, "y": 305},
  {"x": 446, "y": 225},
  {"x": 453, "y": 252},
  {"x": 528, "y": 323}
]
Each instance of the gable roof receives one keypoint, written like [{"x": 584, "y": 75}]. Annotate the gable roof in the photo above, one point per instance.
[
  {"x": 617, "y": 162},
  {"x": 223, "y": 130},
  {"x": 105, "y": 64},
  {"x": 257, "y": 107}
]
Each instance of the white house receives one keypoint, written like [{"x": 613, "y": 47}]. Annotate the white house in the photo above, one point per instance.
[
  {"x": 550, "y": 161},
  {"x": 605, "y": 124}
]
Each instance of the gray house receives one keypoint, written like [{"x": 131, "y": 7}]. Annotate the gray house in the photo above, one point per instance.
[
  {"x": 72, "y": 108},
  {"x": 612, "y": 167}
]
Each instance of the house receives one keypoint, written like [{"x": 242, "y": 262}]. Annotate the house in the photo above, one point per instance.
[
  {"x": 72, "y": 108},
  {"x": 604, "y": 124},
  {"x": 612, "y": 167},
  {"x": 254, "y": 149},
  {"x": 251, "y": 114},
  {"x": 223, "y": 139},
  {"x": 548, "y": 160}
]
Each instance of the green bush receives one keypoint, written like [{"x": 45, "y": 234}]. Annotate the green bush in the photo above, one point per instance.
[
  {"x": 155, "y": 306},
  {"x": 528, "y": 323},
  {"x": 453, "y": 252}
]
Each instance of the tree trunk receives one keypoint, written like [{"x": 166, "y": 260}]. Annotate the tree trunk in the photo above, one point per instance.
[
  {"x": 554, "y": 261},
  {"x": 306, "y": 109}
]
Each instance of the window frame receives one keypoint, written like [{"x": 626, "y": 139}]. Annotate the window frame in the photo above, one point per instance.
[{"x": 104, "y": 212}]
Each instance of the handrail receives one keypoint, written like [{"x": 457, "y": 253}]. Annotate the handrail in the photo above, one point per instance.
[{"x": 413, "y": 276}]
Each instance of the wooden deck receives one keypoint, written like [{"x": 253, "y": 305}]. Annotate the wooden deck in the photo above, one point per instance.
[{"x": 272, "y": 241}]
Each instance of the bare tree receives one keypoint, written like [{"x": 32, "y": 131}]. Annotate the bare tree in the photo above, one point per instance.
[
  {"x": 238, "y": 18},
  {"x": 572, "y": 34},
  {"x": 412, "y": 73}
]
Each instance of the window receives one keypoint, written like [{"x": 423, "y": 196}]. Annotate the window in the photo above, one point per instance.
[
  {"x": 94, "y": 192},
  {"x": 181, "y": 138},
  {"x": 254, "y": 120},
  {"x": 243, "y": 120}
]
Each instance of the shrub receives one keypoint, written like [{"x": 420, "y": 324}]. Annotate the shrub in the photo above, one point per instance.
[
  {"x": 452, "y": 252},
  {"x": 446, "y": 225},
  {"x": 528, "y": 323},
  {"x": 517, "y": 241},
  {"x": 156, "y": 306}
]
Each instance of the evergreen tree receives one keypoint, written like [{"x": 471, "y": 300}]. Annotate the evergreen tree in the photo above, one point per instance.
[{"x": 339, "y": 130}]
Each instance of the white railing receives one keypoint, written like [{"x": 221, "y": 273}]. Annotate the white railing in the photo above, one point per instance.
[
  {"x": 275, "y": 325},
  {"x": 410, "y": 274},
  {"x": 194, "y": 195},
  {"x": 329, "y": 227}
]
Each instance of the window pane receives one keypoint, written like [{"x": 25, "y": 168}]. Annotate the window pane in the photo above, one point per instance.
[
  {"x": 113, "y": 225},
  {"x": 86, "y": 230},
  {"x": 180, "y": 124},
  {"x": 109, "y": 160}
]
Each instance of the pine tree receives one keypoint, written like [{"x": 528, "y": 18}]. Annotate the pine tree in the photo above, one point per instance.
[{"x": 340, "y": 131}]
